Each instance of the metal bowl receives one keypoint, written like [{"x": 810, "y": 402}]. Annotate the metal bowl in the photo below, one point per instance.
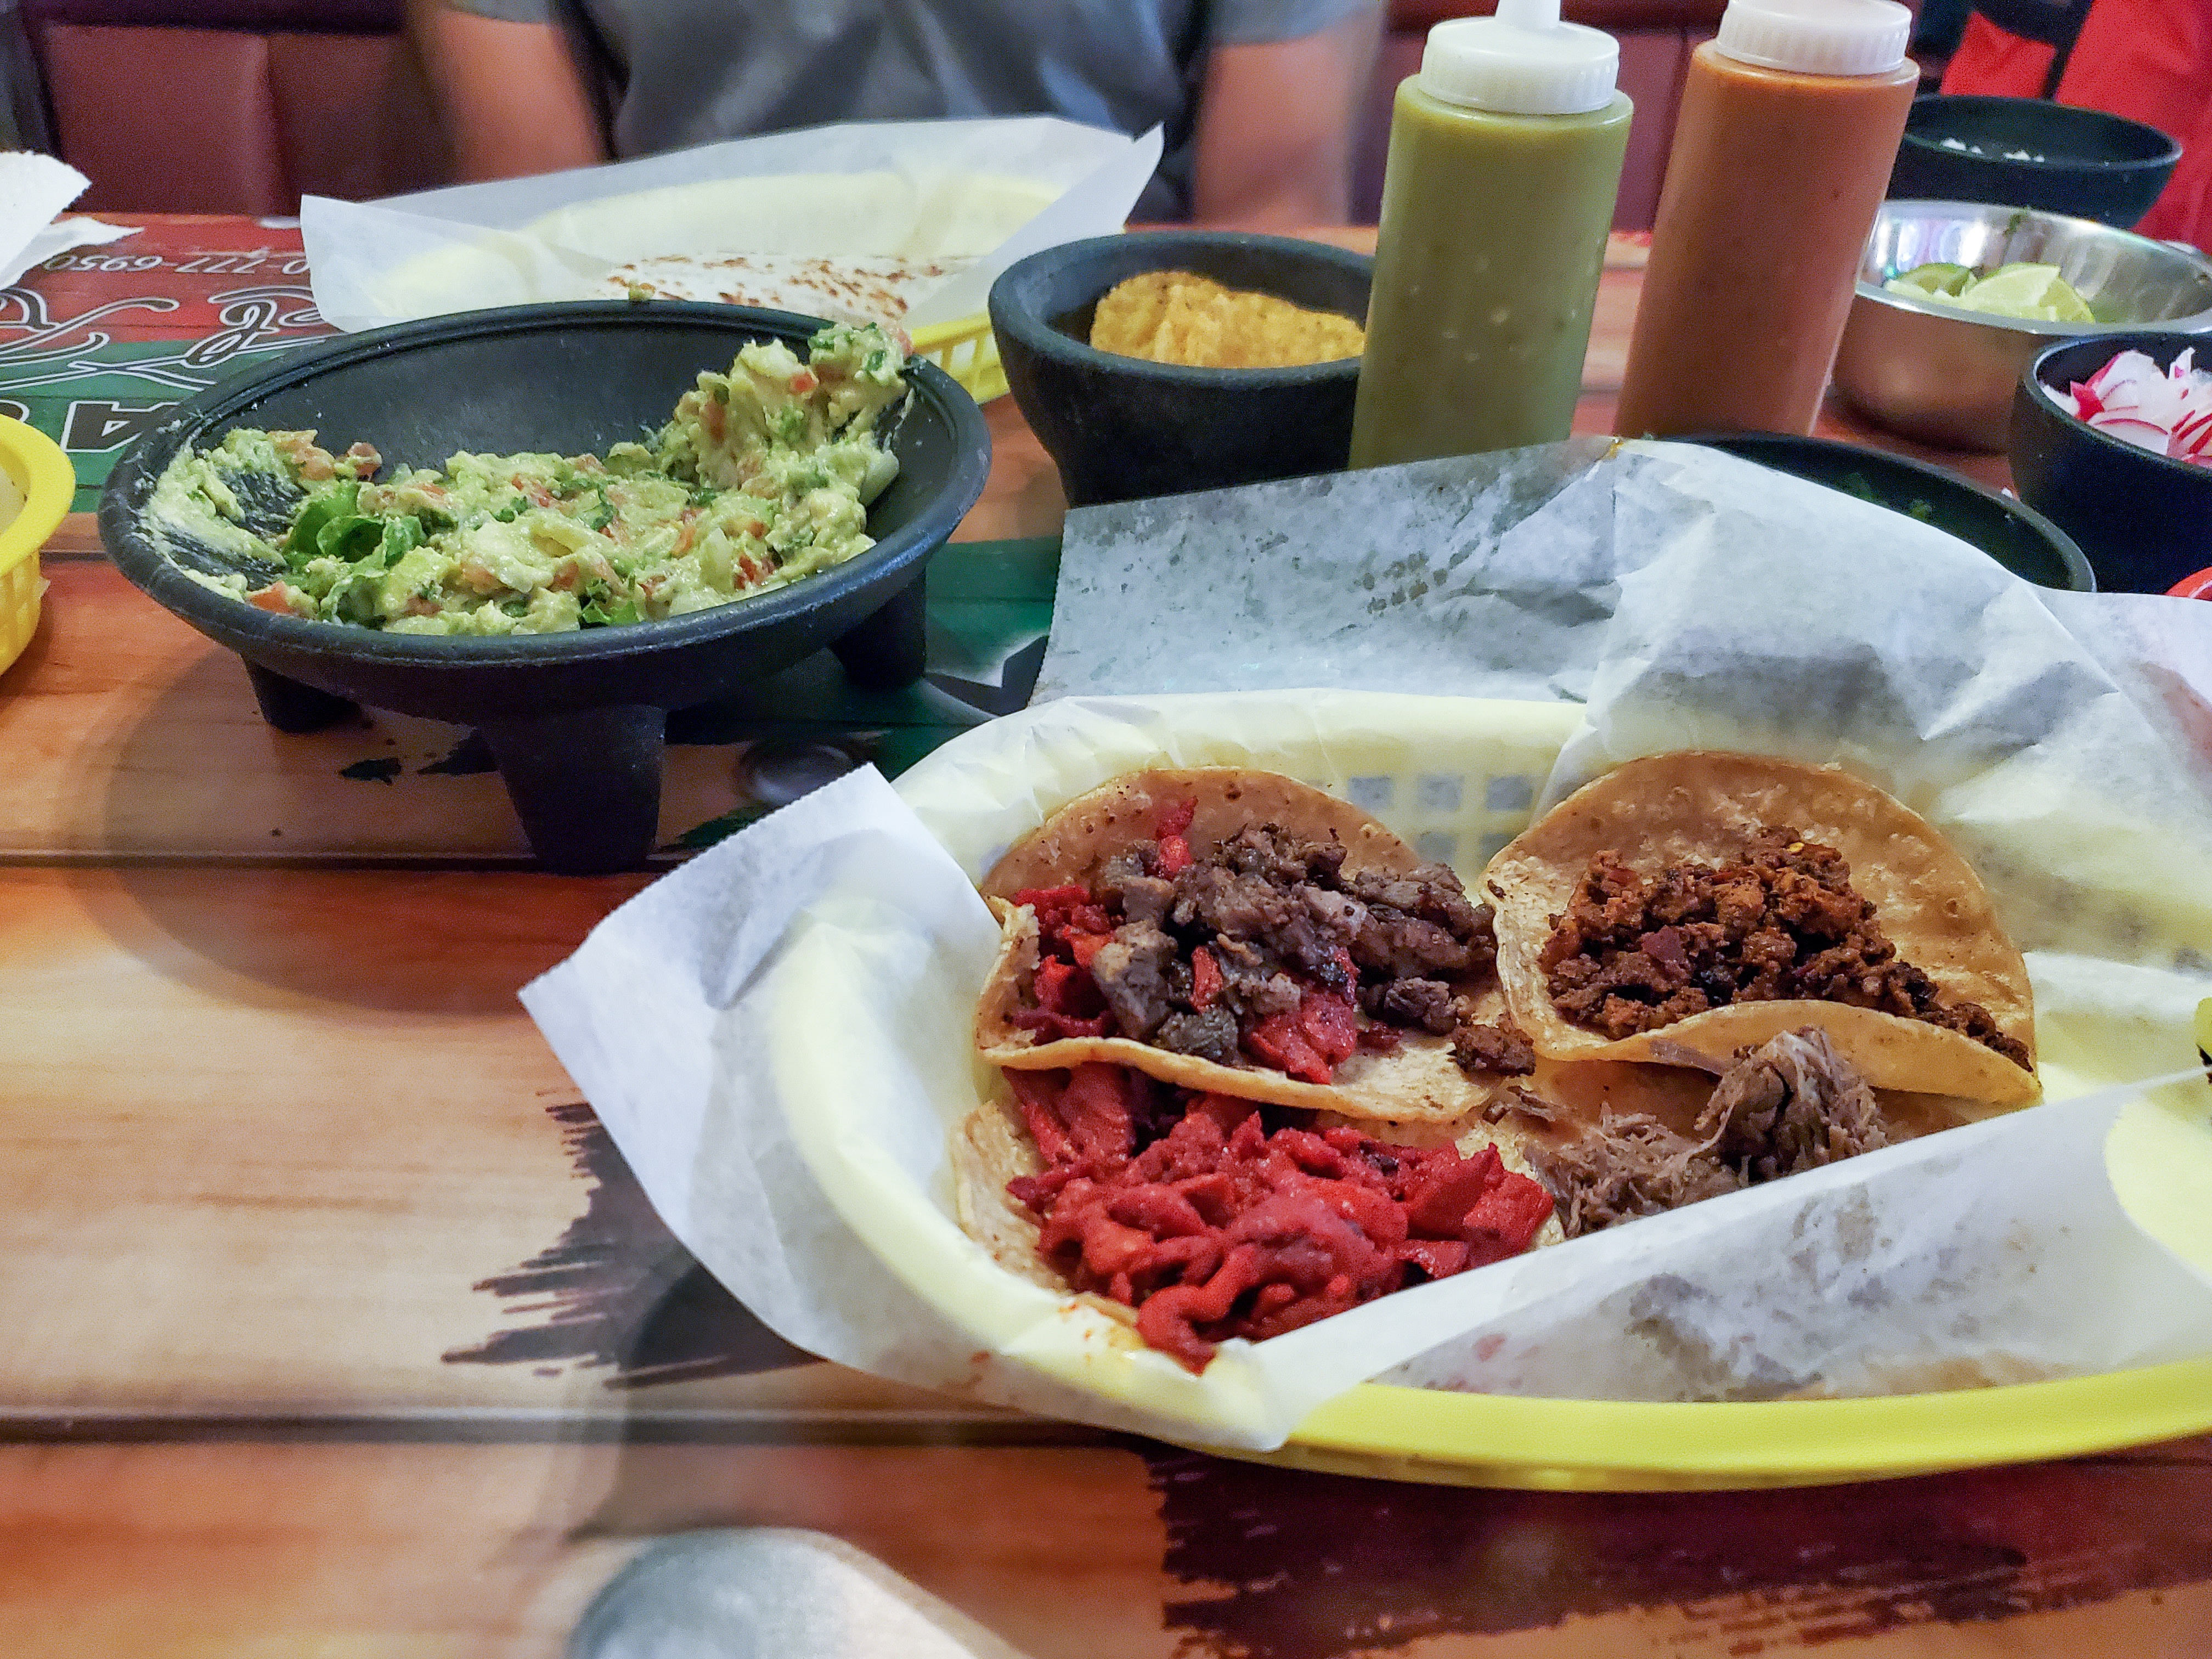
[{"x": 1946, "y": 376}]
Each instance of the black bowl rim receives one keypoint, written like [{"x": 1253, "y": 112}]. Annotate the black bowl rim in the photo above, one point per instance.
[
  {"x": 2068, "y": 549},
  {"x": 1863, "y": 289},
  {"x": 170, "y": 587},
  {"x": 1963, "y": 100},
  {"x": 2033, "y": 387},
  {"x": 1038, "y": 335}
]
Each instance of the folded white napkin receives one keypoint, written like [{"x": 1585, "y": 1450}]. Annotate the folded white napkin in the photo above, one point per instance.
[{"x": 33, "y": 189}]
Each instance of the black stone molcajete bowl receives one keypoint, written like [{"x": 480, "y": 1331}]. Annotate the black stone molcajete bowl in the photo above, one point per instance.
[
  {"x": 1120, "y": 429},
  {"x": 2016, "y": 536},
  {"x": 2031, "y": 152},
  {"x": 575, "y": 720},
  {"x": 2144, "y": 519}
]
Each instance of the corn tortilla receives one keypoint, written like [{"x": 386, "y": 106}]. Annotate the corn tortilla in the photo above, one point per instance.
[
  {"x": 1418, "y": 1082},
  {"x": 1705, "y": 805}
]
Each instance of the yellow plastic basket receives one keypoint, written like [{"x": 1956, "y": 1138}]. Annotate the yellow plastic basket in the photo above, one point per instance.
[
  {"x": 1455, "y": 777},
  {"x": 966, "y": 349},
  {"x": 42, "y": 473}
]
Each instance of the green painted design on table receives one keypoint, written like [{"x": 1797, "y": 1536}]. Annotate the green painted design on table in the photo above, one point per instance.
[
  {"x": 990, "y": 606},
  {"x": 95, "y": 403}
]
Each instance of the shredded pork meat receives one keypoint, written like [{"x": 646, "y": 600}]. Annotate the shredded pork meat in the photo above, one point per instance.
[{"x": 1790, "y": 1104}]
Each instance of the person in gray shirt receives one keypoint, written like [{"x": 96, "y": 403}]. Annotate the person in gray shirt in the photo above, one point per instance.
[{"x": 1259, "y": 97}]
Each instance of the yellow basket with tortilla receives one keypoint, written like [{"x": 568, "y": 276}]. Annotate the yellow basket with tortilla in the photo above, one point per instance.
[
  {"x": 966, "y": 349},
  {"x": 37, "y": 484},
  {"x": 1456, "y": 781}
]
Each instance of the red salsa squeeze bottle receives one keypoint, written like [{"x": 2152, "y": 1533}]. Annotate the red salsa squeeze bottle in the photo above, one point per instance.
[
  {"x": 1789, "y": 124},
  {"x": 1505, "y": 154}
]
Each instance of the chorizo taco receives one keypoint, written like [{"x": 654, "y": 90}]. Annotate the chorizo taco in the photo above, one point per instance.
[
  {"x": 1242, "y": 934},
  {"x": 1191, "y": 1218},
  {"x": 1705, "y": 902}
]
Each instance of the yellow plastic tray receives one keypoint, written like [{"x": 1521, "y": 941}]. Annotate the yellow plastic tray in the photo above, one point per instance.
[
  {"x": 979, "y": 792},
  {"x": 38, "y": 469},
  {"x": 967, "y": 350},
  {"x": 1591, "y": 1445}
]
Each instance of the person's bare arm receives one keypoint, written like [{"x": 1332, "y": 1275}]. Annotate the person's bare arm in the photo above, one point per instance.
[
  {"x": 509, "y": 95},
  {"x": 1275, "y": 126}
]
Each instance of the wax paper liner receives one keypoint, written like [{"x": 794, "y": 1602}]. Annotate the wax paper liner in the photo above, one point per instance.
[
  {"x": 880, "y": 187},
  {"x": 777, "y": 1037}
]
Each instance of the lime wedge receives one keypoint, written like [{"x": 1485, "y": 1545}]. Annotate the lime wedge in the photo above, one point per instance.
[
  {"x": 1937, "y": 278},
  {"x": 2029, "y": 291}
]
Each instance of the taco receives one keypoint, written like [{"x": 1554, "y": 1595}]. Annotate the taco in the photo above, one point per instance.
[
  {"x": 1704, "y": 902},
  {"x": 1244, "y": 933},
  {"x": 1192, "y": 1217}
]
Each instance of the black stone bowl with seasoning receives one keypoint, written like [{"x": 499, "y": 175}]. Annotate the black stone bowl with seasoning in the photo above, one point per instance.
[
  {"x": 2031, "y": 153},
  {"x": 2015, "y": 535},
  {"x": 575, "y": 720},
  {"x": 1121, "y": 428}
]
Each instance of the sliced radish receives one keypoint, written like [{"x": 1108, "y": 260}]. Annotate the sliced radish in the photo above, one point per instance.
[{"x": 2167, "y": 411}]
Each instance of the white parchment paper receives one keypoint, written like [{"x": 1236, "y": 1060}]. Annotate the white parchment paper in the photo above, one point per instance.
[
  {"x": 984, "y": 192},
  {"x": 777, "y": 1035}
]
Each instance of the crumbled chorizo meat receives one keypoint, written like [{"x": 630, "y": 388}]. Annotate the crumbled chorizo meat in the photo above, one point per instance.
[
  {"x": 1503, "y": 1047},
  {"x": 1792, "y": 1103},
  {"x": 1263, "y": 948},
  {"x": 1634, "y": 953},
  {"x": 1220, "y": 1227}
]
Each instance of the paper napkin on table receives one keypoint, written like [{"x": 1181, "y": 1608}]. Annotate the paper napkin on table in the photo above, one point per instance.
[{"x": 33, "y": 188}]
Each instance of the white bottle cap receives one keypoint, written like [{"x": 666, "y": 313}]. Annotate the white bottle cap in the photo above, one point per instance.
[
  {"x": 1816, "y": 37},
  {"x": 1522, "y": 62}
]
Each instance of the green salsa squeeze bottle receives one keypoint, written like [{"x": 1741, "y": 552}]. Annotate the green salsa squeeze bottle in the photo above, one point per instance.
[{"x": 1505, "y": 154}]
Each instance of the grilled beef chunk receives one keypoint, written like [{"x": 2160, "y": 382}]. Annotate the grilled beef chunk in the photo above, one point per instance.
[
  {"x": 1792, "y": 1103},
  {"x": 1281, "y": 859},
  {"x": 1131, "y": 969},
  {"x": 1145, "y": 897},
  {"x": 1202, "y": 950},
  {"x": 1253, "y": 984},
  {"x": 1634, "y": 953},
  {"x": 1210, "y": 1035},
  {"x": 1426, "y": 1003}
]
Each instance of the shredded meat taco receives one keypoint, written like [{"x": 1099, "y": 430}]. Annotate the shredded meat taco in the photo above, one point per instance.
[
  {"x": 1241, "y": 933},
  {"x": 1713, "y": 901}
]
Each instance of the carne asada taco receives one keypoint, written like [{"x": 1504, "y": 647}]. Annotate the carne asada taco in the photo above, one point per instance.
[
  {"x": 1708, "y": 901},
  {"x": 1240, "y": 933}
]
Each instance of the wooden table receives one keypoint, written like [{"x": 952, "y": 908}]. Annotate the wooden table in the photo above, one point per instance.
[{"x": 339, "y": 1327}]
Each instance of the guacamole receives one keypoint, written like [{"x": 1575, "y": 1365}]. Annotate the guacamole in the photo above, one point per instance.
[{"x": 761, "y": 476}]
